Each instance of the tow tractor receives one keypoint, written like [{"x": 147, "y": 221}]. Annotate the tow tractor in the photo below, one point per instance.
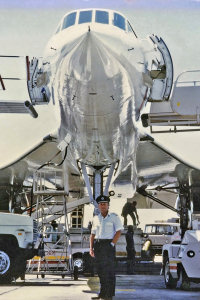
[
  {"x": 181, "y": 261},
  {"x": 181, "y": 258}
]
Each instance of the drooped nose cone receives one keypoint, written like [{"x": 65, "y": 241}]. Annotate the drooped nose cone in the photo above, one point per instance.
[
  {"x": 95, "y": 81},
  {"x": 96, "y": 98}
]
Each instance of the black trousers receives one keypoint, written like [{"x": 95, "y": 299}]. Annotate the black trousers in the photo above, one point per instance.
[
  {"x": 132, "y": 217},
  {"x": 105, "y": 262},
  {"x": 130, "y": 260}
]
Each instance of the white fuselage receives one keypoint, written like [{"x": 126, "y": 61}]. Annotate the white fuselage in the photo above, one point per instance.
[{"x": 96, "y": 77}]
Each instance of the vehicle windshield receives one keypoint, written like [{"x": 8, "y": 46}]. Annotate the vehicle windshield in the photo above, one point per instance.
[
  {"x": 163, "y": 229},
  {"x": 150, "y": 229},
  {"x": 85, "y": 16},
  {"x": 160, "y": 229},
  {"x": 102, "y": 17},
  {"x": 69, "y": 20}
]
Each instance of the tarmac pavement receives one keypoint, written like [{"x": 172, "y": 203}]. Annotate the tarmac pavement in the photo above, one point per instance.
[{"x": 128, "y": 287}]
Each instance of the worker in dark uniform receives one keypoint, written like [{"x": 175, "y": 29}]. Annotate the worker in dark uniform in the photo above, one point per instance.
[
  {"x": 130, "y": 248},
  {"x": 130, "y": 209},
  {"x": 106, "y": 230}
]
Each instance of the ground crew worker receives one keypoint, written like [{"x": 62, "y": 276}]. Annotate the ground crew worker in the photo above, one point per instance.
[
  {"x": 106, "y": 230},
  {"x": 130, "y": 209},
  {"x": 130, "y": 248}
]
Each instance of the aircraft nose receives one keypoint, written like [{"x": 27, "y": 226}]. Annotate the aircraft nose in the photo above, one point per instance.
[{"x": 94, "y": 79}]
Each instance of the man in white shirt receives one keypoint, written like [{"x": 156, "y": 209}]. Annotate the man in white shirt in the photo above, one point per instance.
[{"x": 106, "y": 230}]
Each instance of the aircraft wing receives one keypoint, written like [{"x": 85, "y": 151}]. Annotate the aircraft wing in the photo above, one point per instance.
[
  {"x": 41, "y": 167},
  {"x": 155, "y": 166}
]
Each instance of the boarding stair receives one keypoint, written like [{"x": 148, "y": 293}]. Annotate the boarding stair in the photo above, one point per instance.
[
  {"x": 182, "y": 110},
  {"x": 52, "y": 212}
]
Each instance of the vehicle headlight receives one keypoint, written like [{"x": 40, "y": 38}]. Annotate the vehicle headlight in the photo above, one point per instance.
[{"x": 190, "y": 253}]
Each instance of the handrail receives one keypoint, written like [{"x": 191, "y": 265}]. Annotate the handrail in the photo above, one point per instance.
[{"x": 184, "y": 72}]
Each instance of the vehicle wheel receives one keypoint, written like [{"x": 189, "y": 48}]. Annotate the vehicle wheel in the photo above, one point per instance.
[
  {"x": 20, "y": 267},
  {"x": 78, "y": 262},
  {"x": 170, "y": 282},
  {"x": 184, "y": 280},
  {"x": 63, "y": 276},
  {"x": 75, "y": 273},
  {"x": 6, "y": 265},
  {"x": 43, "y": 276}
]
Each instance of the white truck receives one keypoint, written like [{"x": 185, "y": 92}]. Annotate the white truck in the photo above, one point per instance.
[
  {"x": 18, "y": 235},
  {"x": 158, "y": 234},
  {"x": 181, "y": 261}
]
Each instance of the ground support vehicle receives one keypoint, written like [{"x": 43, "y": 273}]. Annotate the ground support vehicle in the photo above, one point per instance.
[
  {"x": 158, "y": 234},
  {"x": 18, "y": 236},
  {"x": 181, "y": 261}
]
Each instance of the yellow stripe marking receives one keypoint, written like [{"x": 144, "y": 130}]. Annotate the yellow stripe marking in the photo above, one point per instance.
[
  {"x": 174, "y": 262},
  {"x": 50, "y": 257}
]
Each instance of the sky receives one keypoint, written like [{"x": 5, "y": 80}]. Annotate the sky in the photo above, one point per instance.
[{"x": 96, "y": 3}]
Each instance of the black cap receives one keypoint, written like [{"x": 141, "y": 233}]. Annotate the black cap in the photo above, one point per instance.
[{"x": 102, "y": 198}]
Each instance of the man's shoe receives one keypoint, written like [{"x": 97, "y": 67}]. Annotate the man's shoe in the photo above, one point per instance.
[{"x": 96, "y": 297}]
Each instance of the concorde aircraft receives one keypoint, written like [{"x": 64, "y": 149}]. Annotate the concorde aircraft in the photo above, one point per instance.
[{"x": 97, "y": 77}]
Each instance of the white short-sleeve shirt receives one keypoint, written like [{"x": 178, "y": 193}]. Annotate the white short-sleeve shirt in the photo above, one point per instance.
[{"x": 105, "y": 228}]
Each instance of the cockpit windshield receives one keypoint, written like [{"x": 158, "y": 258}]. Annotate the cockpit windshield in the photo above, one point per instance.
[
  {"x": 69, "y": 20},
  {"x": 85, "y": 17},
  {"x": 102, "y": 17},
  {"x": 119, "y": 21},
  {"x": 96, "y": 16}
]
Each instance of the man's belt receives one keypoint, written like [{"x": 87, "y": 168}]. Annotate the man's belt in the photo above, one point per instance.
[{"x": 103, "y": 240}]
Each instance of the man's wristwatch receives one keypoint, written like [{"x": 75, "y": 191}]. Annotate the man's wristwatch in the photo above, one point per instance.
[{"x": 112, "y": 244}]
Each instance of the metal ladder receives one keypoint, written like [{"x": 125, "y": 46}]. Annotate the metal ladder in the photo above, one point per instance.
[{"x": 51, "y": 215}]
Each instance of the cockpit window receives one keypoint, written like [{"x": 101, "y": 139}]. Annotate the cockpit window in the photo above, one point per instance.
[
  {"x": 69, "y": 20},
  {"x": 119, "y": 21},
  {"x": 85, "y": 16},
  {"x": 101, "y": 17}
]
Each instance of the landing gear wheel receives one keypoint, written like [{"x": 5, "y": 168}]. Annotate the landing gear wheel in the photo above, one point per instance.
[
  {"x": 43, "y": 276},
  {"x": 184, "y": 281},
  {"x": 170, "y": 282},
  {"x": 75, "y": 273},
  {"x": 63, "y": 276},
  {"x": 6, "y": 265}
]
